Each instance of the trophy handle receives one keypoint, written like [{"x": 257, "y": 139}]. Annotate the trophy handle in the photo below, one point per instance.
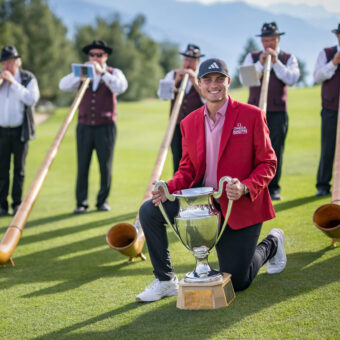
[
  {"x": 217, "y": 195},
  {"x": 161, "y": 208}
]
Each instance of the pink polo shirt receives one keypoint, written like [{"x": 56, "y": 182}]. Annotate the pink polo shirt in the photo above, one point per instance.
[{"x": 213, "y": 133}]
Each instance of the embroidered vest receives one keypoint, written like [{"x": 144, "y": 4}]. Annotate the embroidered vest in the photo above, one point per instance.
[
  {"x": 331, "y": 87},
  {"x": 277, "y": 89},
  {"x": 98, "y": 107}
]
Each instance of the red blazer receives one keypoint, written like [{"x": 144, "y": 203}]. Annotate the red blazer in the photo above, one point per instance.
[{"x": 245, "y": 153}]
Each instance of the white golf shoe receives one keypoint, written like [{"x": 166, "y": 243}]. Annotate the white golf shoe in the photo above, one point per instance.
[
  {"x": 278, "y": 262},
  {"x": 158, "y": 290}
]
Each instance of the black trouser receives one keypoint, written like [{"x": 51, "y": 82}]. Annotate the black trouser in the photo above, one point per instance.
[
  {"x": 176, "y": 147},
  {"x": 329, "y": 119},
  {"x": 278, "y": 127},
  {"x": 237, "y": 250},
  {"x": 10, "y": 143},
  {"x": 100, "y": 138}
]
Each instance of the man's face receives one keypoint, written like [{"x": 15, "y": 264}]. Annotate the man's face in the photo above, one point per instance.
[
  {"x": 214, "y": 87},
  {"x": 270, "y": 42},
  {"x": 190, "y": 63},
  {"x": 98, "y": 55},
  {"x": 10, "y": 65},
  {"x": 338, "y": 36}
]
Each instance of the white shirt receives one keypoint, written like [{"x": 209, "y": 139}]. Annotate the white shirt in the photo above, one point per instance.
[
  {"x": 116, "y": 82},
  {"x": 13, "y": 98},
  {"x": 288, "y": 73},
  {"x": 324, "y": 70}
]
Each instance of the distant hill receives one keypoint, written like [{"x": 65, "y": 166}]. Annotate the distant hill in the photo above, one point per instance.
[{"x": 221, "y": 30}]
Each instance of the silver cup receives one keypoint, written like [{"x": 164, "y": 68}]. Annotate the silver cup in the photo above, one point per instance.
[{"x": 197, "y": 225}]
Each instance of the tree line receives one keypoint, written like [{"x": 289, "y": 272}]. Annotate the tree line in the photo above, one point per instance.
[{"x": 41, "y": 39}]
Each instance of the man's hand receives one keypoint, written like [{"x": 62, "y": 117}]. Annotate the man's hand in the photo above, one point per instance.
[
  {"x": 267, "y": 52},
  {"x": 336, "y": 58},
  {"x": 235, "y": 189},
  {"x": 158, "y": 196},
  {"x": 97, "y": 67},
  {"x": 6, "y": 75}
]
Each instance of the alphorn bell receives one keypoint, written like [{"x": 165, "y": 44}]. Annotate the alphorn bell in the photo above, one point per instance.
[
  {"x": 327, "y": 217},
  {"x": 265, "y": 83},
  {"x": 129, "y": 239},
  {"x": 14, "y": 231}
]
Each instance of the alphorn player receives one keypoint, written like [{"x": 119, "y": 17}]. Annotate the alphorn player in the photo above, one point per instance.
[
  {"x": 222, "y": 138},
  {"x": 19, "y": 93},
  {"x": 284, "y": 71},
  {"x": 96, "y": 129},
  {"x": 192, "y": 99},
  {"x": 327, "y": 72}
]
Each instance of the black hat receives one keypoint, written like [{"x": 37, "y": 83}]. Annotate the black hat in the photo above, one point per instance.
[
  {"x": 336, "y": 30},
  {"x": 9, "y": 52},
  {"x": 192, "y": 51},
  {"x": 213, "y": 65},
  {"x": 100, "y": 44},
  {"x": 268, "y": 29}
]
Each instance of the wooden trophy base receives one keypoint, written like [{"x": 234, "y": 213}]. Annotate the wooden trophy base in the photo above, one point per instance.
[{"x": 207, "y": 295}]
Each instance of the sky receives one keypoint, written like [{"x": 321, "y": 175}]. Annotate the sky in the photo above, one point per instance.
[{"x": 332, "y": 6}]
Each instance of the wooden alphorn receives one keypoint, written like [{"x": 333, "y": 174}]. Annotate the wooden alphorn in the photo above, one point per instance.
[
  {"x": 129, "y": 239},
  {"x": 14, "y": 231},
  {"x": 327, "y": 217},
  {"x": 265, "y": 83}
]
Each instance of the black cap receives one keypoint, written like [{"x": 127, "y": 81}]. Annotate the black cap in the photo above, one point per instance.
[
  {"x": 99, "y": 44},
  {"x": 336, "y": 30},
  {"x": 268, "y": 29},
  {"x": 213, "y": 65},
  {"x": 192, "y": 51},
  {"x": 9, "y": 52}
]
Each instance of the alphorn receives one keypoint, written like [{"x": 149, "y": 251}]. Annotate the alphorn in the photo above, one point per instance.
[
  {"x": 14, "y": 231},
  {"x": 327, "y": 217},
  {"x": 265, "y": 83},
  {"x": 128, "y": 238}
]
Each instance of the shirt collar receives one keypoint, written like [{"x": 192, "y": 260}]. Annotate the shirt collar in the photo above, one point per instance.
[{"x": 222, "y": 110}]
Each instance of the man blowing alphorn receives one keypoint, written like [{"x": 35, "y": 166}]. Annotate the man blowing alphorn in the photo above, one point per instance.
[
  {"x": 284, "y": 71},
  {"x": 327, "y": 72}
]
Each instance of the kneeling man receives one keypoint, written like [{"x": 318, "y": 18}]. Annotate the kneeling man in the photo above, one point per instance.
[{"x": 222, "y": 138}]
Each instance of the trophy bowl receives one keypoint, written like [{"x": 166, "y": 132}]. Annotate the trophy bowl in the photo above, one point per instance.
[{"x": 198, "y": 225}]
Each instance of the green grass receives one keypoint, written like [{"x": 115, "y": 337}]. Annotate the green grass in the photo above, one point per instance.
[{"x": 68, "y": 284}]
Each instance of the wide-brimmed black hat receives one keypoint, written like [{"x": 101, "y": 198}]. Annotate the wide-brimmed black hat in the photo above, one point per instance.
[
  {"x": 9, "y": 52},
  {"x": 192, "y": 51},
  {"x": 336, "y": 30},
  {"x": 268, "y": 29},
  {"x": 100, "y": 44},
  {"x": 213, "y": 65}
]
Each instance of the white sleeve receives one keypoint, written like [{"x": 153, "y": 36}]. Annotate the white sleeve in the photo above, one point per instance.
[
  {"x": 322, "y": 69},
  {"x": 115, "y": 81},
  {"x": 249, "y": 61},
  {"x": 288, "y": 73},
  {"x": 28, "y": 95},
  {"x": 69, "y": 83}
]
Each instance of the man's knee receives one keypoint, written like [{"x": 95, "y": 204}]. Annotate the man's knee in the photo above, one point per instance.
[{"x": 146, "y": 211}]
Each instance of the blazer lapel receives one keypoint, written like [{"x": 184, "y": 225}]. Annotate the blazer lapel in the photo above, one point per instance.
[
  {"x": 231, "y": 115},
  {"x": 200, "y": 143}
]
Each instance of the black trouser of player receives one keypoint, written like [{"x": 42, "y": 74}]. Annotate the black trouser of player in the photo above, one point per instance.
[
  {"x": 329, "y": 119},
  {"x": 238, "y": 251},
  {"x": 278, "y": 128},
  {"x": 100, "y": 138},
  {"x": 10, "y": 143},
  {"x": 176, "y": 147}
]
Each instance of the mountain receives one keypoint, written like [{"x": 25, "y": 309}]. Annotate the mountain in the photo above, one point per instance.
[{"x": 221, "y": 29}]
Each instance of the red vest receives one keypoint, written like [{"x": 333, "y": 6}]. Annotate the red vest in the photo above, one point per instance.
[
  {"x": 331, "y": 87},
  {"x": 191, "y": 102},
  {"x": 277, "y": 89},
  {"x": 98, "y": 107}
]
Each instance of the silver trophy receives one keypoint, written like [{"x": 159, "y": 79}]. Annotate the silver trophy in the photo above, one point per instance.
[{"x": 197, "y": 225}]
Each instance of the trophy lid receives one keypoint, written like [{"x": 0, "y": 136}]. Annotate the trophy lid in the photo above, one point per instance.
[{"x": 194, "y": 192}]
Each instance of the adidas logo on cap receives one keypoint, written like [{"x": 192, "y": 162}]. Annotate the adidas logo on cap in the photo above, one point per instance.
[{"x": 213, "y": 66}]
